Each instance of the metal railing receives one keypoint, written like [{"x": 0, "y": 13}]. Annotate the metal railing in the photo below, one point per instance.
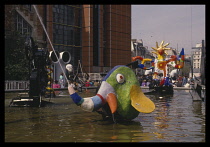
[
  {"x": 95, "y": 76},
  {"x": 14, "y": 85}
]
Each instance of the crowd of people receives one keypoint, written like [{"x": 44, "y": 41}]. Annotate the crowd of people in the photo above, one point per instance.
[
  {"x": 144, "y": 80},
  {"x": 176, "y": 81},
  {"x": 76, "y": 85}
]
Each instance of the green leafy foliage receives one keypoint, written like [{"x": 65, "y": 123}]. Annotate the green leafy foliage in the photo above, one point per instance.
[{"x": 16, "y": 64}]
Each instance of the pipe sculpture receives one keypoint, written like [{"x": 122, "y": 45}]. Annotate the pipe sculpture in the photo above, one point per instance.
[{"x": 65, "y": 56}]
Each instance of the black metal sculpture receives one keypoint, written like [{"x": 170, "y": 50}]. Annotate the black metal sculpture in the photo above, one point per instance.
[{"x": 38, "y": 75}]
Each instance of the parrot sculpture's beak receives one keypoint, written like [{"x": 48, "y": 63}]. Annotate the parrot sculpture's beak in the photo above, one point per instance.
[{"x": 139, "y": 101}]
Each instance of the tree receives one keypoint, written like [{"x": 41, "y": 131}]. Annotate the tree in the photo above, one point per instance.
[
  {"x": 186, "y": 69},
  {"x": 16, "y": 64}
]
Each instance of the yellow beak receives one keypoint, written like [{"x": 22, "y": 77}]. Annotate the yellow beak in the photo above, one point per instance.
[{"x": 139, "y": 101}]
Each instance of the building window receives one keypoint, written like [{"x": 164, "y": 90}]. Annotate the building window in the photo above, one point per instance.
[
  {"x": 96, "y": 39},
  {"x": 22, "y": 25},
  {"x": 29, "y": 7},
  {"x": 67, "y": 30}
]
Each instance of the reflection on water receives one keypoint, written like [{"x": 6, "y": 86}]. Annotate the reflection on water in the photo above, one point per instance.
[{"x": 175, "y": 119}]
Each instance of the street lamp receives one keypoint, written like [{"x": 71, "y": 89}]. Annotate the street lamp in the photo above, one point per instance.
[
  {"x": 136, "y": 46},
  {"x": 191, "y": 65}
]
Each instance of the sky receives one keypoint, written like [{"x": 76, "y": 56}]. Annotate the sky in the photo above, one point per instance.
[{"x": 182, "y": 26}]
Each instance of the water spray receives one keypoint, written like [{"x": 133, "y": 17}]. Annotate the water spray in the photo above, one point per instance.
[{"x": 50, "y": 42}]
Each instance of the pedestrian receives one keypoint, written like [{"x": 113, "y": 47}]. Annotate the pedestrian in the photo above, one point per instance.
[
  {"x": 56, "y": 85},
  {"x": 191, "y": 81},
  {"x": 156, "y": 82},
  {"x": 96, "y": 83},
  {"x": 61, "y": 80},
  {"x": 87, "y": 83},
  {"x": 91, "y": 83},
  {"x": 184, "y": 81},
  {"x": 144, "y": 83},
  {"x": 150, "y": 77},
  {"x": 179, "y": 81},
  {"x": 140, "y": 80},
  {"x": 148, "y": 82},
  {"x": 155, "y": 76},
  {"x": 152, "y": 84}
]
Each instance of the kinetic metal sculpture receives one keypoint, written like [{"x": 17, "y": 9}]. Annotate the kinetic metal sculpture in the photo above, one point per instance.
[
  {"x": 39, "y": 62},
  {"x": 39, "y": 74}
]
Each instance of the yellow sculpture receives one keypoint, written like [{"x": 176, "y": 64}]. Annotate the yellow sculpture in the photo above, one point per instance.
[{"x": 160, "y": 50}]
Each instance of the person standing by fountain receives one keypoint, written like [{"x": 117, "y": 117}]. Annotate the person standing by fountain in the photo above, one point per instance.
[
  {"x": 184, "y": 81},
  {"x": 56, "y": 85},
  {"x": 179, "y": 83},
  {"x": 61, "y": 81}
]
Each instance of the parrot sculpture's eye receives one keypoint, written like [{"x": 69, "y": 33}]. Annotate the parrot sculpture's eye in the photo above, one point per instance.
[{"x": 120, "y": 78}]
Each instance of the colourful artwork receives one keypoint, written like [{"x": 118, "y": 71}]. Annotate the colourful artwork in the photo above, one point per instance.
[
  {"x": 143, "y": 61},
  {"x": 161, "y": 63},
  {"x": 121, "y": 91}
]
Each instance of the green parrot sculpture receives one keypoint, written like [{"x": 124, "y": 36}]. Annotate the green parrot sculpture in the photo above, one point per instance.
[{"x": 119, "y": 90}]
